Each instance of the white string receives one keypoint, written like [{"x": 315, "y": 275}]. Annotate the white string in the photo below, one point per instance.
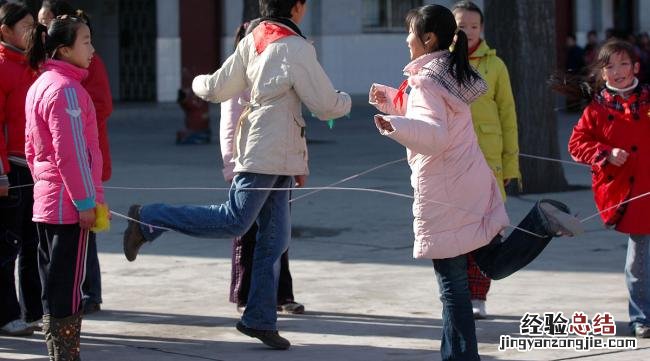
[
  {"x": 137, "y": 221},
  {"x": 616, "y": 206},
  {"x": 349, "y": 178},
  {"x": 553, "y": 160}
]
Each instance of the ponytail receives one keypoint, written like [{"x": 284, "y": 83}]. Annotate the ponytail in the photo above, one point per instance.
[
  {"x": 461, "y": 68},
  {"x": 439, "y": 20},
  {"x": 45, "y": 41},
  {"x": 36, "y": 53}
]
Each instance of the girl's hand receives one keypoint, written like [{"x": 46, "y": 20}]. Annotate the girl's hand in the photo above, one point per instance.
[
  {"x": 383, "y": 123},
  {"x": 617, "y": 157},
  {"x": 87, "y": 219},
  {"x": 377, "y": 96},
  {"x": 301, "y": 180}
]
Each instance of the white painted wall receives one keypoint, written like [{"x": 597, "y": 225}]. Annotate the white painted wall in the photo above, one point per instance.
[{"x": 168, "y": 50}]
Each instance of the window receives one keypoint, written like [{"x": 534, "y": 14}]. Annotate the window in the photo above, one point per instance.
[{"x": 386, "y": 15}]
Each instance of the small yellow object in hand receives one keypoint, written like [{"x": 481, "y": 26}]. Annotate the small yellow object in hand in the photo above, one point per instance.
[{"x": 102, "y": 218}]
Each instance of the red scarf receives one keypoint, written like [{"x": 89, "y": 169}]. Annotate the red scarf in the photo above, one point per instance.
[
  {"x": 267, "y": 33},
  {"x": 399, "y": 96},
  {"x": 472, "y": 50}
]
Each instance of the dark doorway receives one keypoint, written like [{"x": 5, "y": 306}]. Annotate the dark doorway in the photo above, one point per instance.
[{"x": 137, "y": 27}]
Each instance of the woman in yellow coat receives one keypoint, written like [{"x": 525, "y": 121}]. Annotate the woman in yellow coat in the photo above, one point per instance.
[{"x": 495, "y": 123}]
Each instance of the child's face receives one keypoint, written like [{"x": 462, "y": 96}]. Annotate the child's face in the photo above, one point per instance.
[
  {"x": 81, "y": 52},
  {"x": 470, "y": 23},
  {"x": 419, "y": 47},
  {"x": 620, "y": 70},
  {"x": 18, "y": 35}
]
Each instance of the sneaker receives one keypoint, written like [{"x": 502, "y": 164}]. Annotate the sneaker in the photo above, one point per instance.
[
  {"x": 269, "y": 338},
  {"x": 559, "y": 221},
  {"x": 16, "y": 328},
  {"x": 292, "y": 307},
  {"x": 133, "y": 237},
  {"x": 478, "y": 309},
  {"x": 36, "y": 325},
  {"x": 641, "y": 331},
  {"x": 91, "y": 307}
]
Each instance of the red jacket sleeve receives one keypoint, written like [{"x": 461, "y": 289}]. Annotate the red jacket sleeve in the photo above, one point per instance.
[
  {"x": 587, "y": 143},
  {"x": 97, "y": 85},
  {"x": 4, "y": 160}
]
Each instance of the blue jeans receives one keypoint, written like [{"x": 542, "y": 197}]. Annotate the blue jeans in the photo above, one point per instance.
[
  {"x": 637, "y": 277},
  {"x": 497, "y": 260},
  {"x": 270, "y": 209}
]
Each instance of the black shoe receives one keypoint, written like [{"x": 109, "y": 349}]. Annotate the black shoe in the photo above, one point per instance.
[
  {"x": 91, "y": 307},
  {"x": 269, "y": 338},
  {"x": 133, "y": 237},
  {"x": 641, "y": 331}
]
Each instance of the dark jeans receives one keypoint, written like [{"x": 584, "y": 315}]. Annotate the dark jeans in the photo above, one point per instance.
[
  {"x": 18, "y": 241},
  {"x": 497, "y": 260},
  {"x": 61, "y": 254},
  {"x": 92, "y": 287},
  {"x": 242, "y": 268}
]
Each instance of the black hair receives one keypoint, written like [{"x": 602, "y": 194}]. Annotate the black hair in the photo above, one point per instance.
[
  {"x": 245, "y": 28},
  {"x": 586, "y": 86},
  {"x": 45, "y": 41},
  {"x": 278, "y": 8},
  {"x": 12, "y": 13},
  {"x": 440, "y": 21},
  {"x": 468, "y": 6},
  {"x": 58, "y": 7}
]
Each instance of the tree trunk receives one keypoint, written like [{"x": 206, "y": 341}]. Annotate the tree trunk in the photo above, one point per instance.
[
  {"x": 251, "y": 10},
  {"x": 523, "y": 32}
]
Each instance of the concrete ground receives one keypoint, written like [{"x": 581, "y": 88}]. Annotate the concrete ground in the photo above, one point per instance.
[{"x": 366, "y": 297}]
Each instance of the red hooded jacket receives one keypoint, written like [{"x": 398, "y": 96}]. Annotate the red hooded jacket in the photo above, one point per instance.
[{"x": 613, "y": 122}]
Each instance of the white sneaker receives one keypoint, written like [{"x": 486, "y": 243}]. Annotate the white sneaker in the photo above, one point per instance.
[
  {"x": 478, "y": 308},
  {"x": 16, "y": 328}
]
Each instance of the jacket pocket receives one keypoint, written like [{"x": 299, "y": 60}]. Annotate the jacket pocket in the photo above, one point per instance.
[{"x": 490, "y": 129}]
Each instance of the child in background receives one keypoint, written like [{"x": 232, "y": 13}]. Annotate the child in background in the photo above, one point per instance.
[
  {"x": 458, "y": 209},
  {"x": 612, "y": 136},
  {"x": 63, "y": 154},
  {"x": 495, "y": 124},
  {"x": 18, "y": 238}
]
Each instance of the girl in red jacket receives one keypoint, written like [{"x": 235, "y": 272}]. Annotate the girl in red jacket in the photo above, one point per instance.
[
  {"x": 18, "y": 239},
  {"x": 612, "y": 136}
]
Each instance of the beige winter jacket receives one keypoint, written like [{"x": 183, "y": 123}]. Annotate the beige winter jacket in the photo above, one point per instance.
[{"x": 270, "y": 136}]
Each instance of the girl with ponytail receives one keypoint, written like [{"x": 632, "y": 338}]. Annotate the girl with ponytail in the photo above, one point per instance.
[
  {"x": 63, "y": 154},
  {"x": 458, "y": 209}
]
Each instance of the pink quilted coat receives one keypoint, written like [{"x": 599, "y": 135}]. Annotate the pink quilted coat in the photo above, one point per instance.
[
  {"x": 458, "y": 206},
  {"x": 61, "y": 146}
]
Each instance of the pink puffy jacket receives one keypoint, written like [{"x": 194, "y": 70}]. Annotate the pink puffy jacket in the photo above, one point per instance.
[
  {"x": 458, "y": 206},
  {"x": 231, "y": 111},
  {"x": 61, "y": 145}
]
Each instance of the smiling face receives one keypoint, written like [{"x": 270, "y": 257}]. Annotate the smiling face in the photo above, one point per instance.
[
  {"x": 81, "y": 52},
  {"x": 469, "y": 22},
  {"x": 620, "y": 70}
]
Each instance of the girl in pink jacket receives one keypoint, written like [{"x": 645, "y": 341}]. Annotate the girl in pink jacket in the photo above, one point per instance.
[
  {"x": 63, "y": 154},
  {"x": 458, "y": 209}
]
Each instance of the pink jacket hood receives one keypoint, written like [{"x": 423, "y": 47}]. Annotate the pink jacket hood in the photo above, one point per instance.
[{"x": 62, "y": 147}]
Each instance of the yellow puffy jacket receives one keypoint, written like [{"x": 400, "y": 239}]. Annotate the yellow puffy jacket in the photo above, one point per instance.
[{"x": 494, "y": 116}]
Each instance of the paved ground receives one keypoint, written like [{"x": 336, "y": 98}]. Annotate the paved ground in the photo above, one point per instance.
[{"x": 367, "y": 299}]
